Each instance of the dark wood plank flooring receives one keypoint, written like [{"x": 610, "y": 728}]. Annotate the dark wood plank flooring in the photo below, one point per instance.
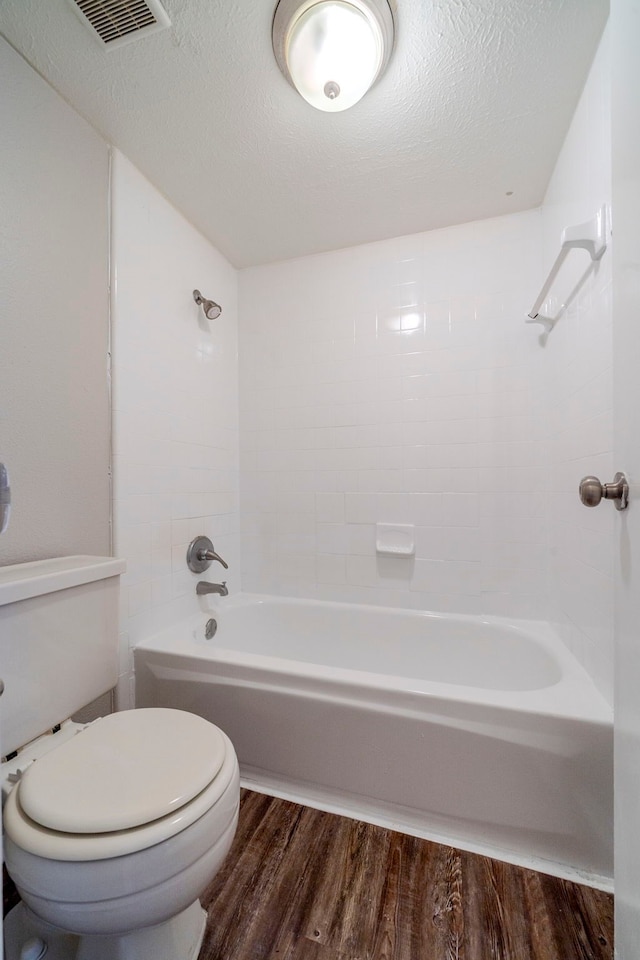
[{"x": 300, "y": 884}]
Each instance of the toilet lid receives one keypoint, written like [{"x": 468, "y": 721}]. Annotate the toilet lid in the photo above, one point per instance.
[{"x": 122, "y": 771}]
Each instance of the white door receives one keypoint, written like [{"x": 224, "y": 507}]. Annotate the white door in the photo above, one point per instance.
[
  {"x": 5, "y": 501},
  {"x": 625, "y": 36}
]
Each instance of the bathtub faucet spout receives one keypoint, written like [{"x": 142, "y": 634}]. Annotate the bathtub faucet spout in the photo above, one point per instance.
[{"x": 203, "y": 587}]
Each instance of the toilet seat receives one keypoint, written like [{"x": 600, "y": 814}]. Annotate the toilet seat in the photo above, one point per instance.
[
  {"x": 56, "y": 844},
  {"x": 124, "y": 770}
]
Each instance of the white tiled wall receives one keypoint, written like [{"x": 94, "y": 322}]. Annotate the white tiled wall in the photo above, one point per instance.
[
  {"x": 396, "y": 382},
  {"x": 579, "y": 389},
  {"x": 175, "y": 408}
]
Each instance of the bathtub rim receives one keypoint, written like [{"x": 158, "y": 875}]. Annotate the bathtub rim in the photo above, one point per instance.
[{"x": 574, "y": 696}]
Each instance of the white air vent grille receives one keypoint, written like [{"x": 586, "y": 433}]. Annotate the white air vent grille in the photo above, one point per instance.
[{"x": 119, "y": 21}]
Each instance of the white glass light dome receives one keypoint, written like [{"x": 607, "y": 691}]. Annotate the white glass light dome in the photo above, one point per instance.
[{"x": 332, "y": 51}]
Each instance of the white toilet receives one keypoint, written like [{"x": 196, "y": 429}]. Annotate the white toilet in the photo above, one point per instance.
[{"x": 113, "y": 828}]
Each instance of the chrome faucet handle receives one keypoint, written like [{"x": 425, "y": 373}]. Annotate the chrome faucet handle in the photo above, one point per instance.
[
  {"x": 210, "y": 556},
  {"x": 200, "y": 555}
]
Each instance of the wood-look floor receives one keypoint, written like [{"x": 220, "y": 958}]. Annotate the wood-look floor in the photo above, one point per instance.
[{"x": 300, "y": 884}]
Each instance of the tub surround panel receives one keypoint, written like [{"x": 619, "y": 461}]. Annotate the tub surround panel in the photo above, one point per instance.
[
  {"x": 396, "y": 383},
  {"x": 175, "y": 409}
]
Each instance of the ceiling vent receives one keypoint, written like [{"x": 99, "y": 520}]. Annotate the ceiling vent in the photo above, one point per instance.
[{"x": 117, "y": 22}]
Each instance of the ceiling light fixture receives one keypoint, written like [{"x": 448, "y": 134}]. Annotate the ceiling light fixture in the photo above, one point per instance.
[{"x": 332, "y": 51}]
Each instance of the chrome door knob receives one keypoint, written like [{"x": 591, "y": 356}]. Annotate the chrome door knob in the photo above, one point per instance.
[{"x": 592, "y": 491}]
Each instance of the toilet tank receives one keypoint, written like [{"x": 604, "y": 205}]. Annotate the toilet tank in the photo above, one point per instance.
[{"x": 58, "y": 641}]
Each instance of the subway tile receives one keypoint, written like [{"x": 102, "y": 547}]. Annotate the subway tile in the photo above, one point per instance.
[
  {"x": 425, "y": 509},
  {"x": 379, "y": 481},
  {"x": 390, "y": 458},
  {"x": 460, "y": 509},
  {"x": 361, "y": 540},
  {"x": 331, "y": 568},
  {"x": 462, "y": 543},
  {"x": 296, "y": 567},
  {"x": 510, "y": 504},
  {"x": 405, "y": 365},
  {"x": 332, "y": 538},
  {"x": 330, "y": 507},
  {"x": 160, "y": 507},
  {"x": 301, "y": 524},
  {"x": 394, "y": 508},
  {"x": 438, "y": 433},
  {"x": 133, "y": 539},
  {"x": 356, "y": 436},
  {"x": 294, "y": 544},
  {"x": 182, "y": 584},
  {"x": 178, "y": 558},
  {"x": 299, "y": 503},
  {"x": 361, "y": 508},
  {"x": 446, "y": 577},
  {"x": 361, "y": 571},
  {"x": 139, "y": 598},
  {"x": 161, "y": 562},
  {"x": 394, "y": 575},
  {"x": 431, "y": 543}
]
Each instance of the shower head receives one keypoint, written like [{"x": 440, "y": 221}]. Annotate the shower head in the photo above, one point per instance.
[{"x": 211, "y": 310}]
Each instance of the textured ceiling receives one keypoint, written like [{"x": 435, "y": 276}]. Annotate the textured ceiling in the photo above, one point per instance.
[{"x": 475, "y": 102}]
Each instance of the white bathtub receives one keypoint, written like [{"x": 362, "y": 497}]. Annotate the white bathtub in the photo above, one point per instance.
[{"x": 472, "y": 731}]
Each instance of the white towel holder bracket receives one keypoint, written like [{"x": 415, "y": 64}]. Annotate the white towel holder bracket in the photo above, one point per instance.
[{"x": 590, "y": 236}]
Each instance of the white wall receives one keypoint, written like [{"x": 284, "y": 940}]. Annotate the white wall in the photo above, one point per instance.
[
  {"x": 397, "y": 382},
  {"x": 579, "y": 389},
  {"x": 54, "y": 401},
  {"x": 175, "y": 409}
]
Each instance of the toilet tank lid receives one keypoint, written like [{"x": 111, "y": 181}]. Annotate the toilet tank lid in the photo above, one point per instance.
[
  {"x": 122, "y": 771},
  {"x": 20, "y": 581}
]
